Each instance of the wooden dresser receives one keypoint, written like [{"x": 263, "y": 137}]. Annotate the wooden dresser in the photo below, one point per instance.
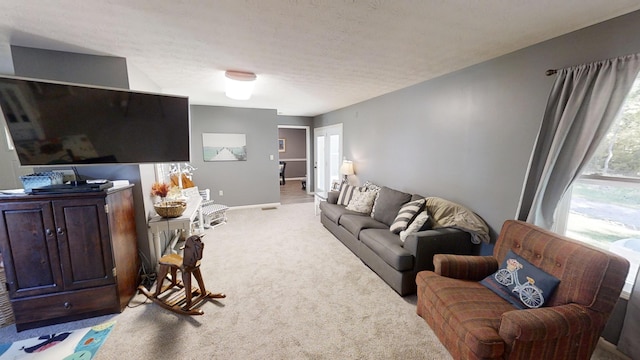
[{"x": 69, "y": 256}]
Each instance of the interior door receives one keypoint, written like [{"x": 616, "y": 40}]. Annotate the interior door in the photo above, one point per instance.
[{"x": 328, "y": 152}]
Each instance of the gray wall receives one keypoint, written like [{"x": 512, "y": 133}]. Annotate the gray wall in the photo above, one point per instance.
[
  {"x": 468, "y": 136},
  {"x": 251, "y": 182},
  {"x": 76, "y": 68}
]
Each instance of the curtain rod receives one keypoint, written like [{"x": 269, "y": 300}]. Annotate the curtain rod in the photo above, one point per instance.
[{"x": 555, "y": 71}]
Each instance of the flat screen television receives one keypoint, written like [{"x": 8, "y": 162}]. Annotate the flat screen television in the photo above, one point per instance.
[{"x": 54, "y": 124}]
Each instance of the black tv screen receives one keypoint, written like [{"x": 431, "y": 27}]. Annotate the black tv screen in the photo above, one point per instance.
[{"x": 54, "y": 123}]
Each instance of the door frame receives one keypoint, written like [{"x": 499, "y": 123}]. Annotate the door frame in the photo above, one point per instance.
[{"x": 307, "y": 133}]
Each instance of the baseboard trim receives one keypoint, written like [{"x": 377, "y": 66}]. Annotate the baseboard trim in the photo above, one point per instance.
[{"x": 267, "y": 205}]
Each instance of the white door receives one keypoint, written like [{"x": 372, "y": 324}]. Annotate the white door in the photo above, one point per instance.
[{"x": 328, "y": 152}]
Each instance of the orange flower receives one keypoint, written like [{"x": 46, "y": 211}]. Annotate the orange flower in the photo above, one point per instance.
[{"x": 160, "y": 189}]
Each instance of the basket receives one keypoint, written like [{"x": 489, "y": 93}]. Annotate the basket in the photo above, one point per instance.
[
  {"x": 41, "y": 179},
  {"x": 170, "y": 209},
  {"x": 6, "y": 312}
]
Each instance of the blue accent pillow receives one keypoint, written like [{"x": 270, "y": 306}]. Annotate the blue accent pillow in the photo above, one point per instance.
[{"x": 520, "y": 283}]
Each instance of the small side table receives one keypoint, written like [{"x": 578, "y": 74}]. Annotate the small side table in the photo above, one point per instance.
[{"x": 318, "y": 197}]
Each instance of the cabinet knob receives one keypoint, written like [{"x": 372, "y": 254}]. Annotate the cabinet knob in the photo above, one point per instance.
[
  {"x": 67, "y": 305},
  {"x": 48, "y": 232},
  {"x": 60, "y": 231}
]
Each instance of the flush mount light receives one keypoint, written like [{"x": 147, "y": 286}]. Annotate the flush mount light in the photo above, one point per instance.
[{"x": 239, "y": 84}]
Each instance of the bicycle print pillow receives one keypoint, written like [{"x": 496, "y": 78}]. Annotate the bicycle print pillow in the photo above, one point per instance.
[{"x": 520, "y": 283}]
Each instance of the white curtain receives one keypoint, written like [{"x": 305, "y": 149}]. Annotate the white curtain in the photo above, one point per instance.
[{"x": 583, "y": 103}]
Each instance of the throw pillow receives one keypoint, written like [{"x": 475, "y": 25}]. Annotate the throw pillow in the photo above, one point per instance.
[
  {"x": 406, "y": 214},
  {"x": 388, "y": 204},
  {"x": 371, "y": 186},
  {"x": 521, "y": 283},
  {"x": 346, "y": 193},
  {"x": 362, "y": 201},
  {"x": 416, "y": 225},
  {"x": 374, "y": 188}
]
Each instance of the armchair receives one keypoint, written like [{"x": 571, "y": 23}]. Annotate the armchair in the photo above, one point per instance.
[{"x": 473, "y": 322}]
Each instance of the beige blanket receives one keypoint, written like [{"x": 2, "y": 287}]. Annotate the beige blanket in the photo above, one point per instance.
[{"x": 449, "y": 214}]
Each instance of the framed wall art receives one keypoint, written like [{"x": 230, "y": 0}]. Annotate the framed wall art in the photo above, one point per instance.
[{"x": 224, "y": 147}]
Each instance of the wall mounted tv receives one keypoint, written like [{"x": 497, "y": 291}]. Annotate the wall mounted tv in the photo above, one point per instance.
[{"x": 55, "y": 124}]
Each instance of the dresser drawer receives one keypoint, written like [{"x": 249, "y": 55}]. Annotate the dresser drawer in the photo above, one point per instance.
[{"x": 66, "y": 304}]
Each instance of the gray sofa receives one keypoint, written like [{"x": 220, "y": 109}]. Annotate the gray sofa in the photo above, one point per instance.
[{"x": 397, "y": 262}]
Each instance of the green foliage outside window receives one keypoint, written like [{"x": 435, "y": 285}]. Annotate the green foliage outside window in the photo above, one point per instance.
[{"x": 619, "y": 152}]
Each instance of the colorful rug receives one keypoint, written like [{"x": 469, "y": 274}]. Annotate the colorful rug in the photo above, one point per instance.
[{"x": 79, "y": 344}]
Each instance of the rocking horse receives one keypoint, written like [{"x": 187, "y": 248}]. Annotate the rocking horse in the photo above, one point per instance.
[{"x": 172, "y": 296}]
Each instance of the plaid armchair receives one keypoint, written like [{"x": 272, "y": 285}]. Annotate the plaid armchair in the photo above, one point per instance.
[{"x": 473, "y": 322}]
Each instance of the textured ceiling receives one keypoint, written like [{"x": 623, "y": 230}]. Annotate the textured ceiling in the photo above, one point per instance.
[{"x": 311, "y": 56}]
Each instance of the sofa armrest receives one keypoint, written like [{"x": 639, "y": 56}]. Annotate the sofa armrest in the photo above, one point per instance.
[
  {"x": 464, "y": 267},
  {"x": 332, "y": 197},
  {"x": 548, "y": 323},
  {"x": 423, "y": 245}
]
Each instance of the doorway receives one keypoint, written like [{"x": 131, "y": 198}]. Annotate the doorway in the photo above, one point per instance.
[{"x": 294, "y": 148}]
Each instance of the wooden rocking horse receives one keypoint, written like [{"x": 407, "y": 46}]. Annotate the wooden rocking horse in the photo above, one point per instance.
[{"x": 172, "y": 296}]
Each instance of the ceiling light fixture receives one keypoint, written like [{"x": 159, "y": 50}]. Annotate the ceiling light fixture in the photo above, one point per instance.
[{"x": 239, "y": 84}]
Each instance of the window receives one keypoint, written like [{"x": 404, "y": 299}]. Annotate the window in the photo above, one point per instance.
[{"x": 604, "y": 207}]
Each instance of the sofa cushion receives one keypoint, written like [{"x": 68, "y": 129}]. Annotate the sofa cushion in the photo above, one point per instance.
[
  {"x": 406, "y": 214},
  {"x": 521, "y": 283},
  {"x": 467, "y": 322},
  {"x": 333, "y": 211},
  {"x": 388, "y": 204},
  {"x": 362, "y": 201},
  {"x": 388, "y": 246},
  {"x": 346, "y": 193},
  {"x": 356, "y": 222}
]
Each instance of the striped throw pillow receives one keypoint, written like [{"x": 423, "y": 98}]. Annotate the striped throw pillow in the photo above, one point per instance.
[
  {"x": 346, "y": 193},
  {"x": 406, "y": 214}
]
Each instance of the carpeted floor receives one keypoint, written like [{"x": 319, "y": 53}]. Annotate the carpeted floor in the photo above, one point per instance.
[{"x": 293, "y": 292}]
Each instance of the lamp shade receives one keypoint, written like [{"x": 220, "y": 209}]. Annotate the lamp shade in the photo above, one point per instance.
[
  {"x": 239, "y": 85},
  {"x": 346, "y": 168}
]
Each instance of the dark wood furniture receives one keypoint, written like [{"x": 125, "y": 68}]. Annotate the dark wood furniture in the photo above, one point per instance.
[
  {"x": 69, "y": 256},
  {"x": 180, "y": 296},
  {"x": 283, "y": 167}
]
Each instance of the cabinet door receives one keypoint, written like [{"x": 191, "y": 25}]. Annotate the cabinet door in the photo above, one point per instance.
[
  {"x": 83, "y": 239},
  {"x": 29, "y": 248}
]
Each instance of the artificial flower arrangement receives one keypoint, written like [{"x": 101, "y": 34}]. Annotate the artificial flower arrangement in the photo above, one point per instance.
[{"x": 160, "y": 189}]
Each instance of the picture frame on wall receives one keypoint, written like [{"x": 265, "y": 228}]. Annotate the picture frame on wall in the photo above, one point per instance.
[
  {"x": 282, "y": 145},
  {"x": 224, "y": 147}
]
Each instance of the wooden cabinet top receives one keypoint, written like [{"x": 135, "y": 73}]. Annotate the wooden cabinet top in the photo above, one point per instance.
[{"x": 12, "y": 197}]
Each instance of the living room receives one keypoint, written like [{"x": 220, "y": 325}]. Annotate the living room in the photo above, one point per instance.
[{"x": 466, "y": 135}]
